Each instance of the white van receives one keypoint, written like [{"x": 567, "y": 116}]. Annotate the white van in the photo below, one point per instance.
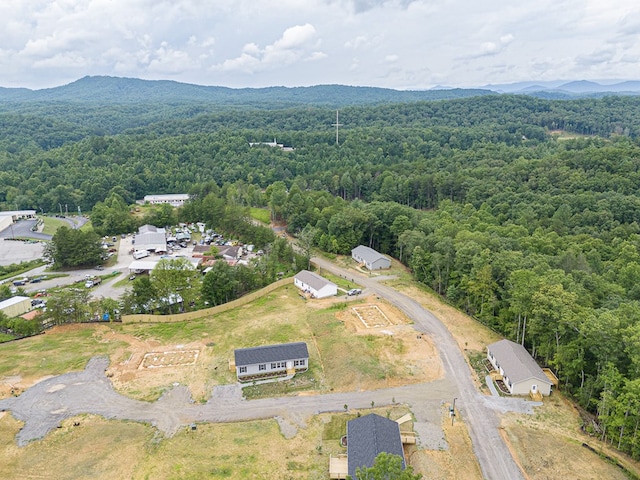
[{"x": 138, "y": 254}]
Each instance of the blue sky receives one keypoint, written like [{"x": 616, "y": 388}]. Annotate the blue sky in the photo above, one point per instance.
[{"x": 400, "y": 44}]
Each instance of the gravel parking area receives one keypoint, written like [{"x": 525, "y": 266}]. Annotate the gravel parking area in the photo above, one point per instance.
[{"x": 12, "y": 251}]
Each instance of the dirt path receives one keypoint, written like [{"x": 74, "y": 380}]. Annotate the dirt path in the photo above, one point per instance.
[{"x": 45, "y": 405}]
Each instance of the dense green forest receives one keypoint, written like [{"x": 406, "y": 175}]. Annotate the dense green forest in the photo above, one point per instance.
[{"x": 524, "y": 212}]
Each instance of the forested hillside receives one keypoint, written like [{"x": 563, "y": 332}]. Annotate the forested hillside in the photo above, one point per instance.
[{"x": 524, "y": 212}]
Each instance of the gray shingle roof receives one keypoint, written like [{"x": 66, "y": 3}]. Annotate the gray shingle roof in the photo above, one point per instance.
[
  {"x": 369, "y": 255},
  {"x": 314, "y": 280},
  {"x": 271, "y": 353},
  {"x": 367, "y": 437},
  {"x": 516, "y": 362}
]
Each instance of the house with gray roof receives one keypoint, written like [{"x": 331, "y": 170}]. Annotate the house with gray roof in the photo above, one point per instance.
[
  {"x": 369, "y": 436},
  {"x": 314, "y": 284},
  {"x": 520, "y": 372},
  {"x": 369, "y": 258},
  {"x": 271, "y": 360}
]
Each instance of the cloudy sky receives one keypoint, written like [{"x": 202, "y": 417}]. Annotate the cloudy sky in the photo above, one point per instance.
[{"x": 400, "y": 44}]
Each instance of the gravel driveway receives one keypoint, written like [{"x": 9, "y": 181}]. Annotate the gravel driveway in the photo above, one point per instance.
[{"x": 46, "y": 404}]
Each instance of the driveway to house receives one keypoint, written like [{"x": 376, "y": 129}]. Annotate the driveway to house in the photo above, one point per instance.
[{"x": 493, "y": 454}]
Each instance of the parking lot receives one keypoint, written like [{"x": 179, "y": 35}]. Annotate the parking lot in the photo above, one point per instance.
[{"x": 12, "y": 251}]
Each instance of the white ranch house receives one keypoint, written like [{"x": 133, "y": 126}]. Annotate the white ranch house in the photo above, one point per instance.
[
  {"x": 317, "y": 286},
  {"x": 520, "y": 372},
  {"x": 371, "y": 259},
  {"x": 271, "y": 360}
]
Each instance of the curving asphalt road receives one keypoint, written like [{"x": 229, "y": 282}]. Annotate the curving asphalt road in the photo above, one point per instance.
[{"x": 493, "y": 454}]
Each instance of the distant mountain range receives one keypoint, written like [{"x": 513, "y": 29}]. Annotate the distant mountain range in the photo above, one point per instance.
[
  {"x": 115, "y": 90},
  {"x": 570, "y": 89}
]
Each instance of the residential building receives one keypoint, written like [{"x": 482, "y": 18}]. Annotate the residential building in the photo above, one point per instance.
[
  {"x": 271, "y": 360},
  {"x": 317, "y": 286},
  {"x": 367, "y": 437},
  {"x": 369, "y": 258},
  {"x": 520, "y": 372}
]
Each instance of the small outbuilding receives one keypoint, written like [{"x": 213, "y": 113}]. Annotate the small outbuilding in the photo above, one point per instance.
[
  {"x": 369, "y": 258},
  {"x": 520, "y": 372},
  {"x": 15, "y": 306},
  {"x": 271, "y": 360},
  {"x": 369, "y": 436},
  {"x": 317, "y": 286}
]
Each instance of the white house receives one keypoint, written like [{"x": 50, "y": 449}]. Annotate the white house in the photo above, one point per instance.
[
  {"x": 314, "y": 284},
  {"x": 371, "y": 259},
  {"x": 174, "y": 199},
  {"x": 520, "y": 372},
  {"x": 271, "y": 360}
]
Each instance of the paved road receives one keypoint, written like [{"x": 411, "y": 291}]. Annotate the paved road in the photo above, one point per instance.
[
  {"x": 22, "y": 229},
  {"x": 493, "y": 454}
]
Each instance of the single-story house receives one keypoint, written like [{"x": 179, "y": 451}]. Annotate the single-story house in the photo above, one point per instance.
[
  {"x": 371, "y": 259},
  {"x": 151, "y": 239},
  {"x": 174, "y": 199},
  {"x": 271, "y": 360},
  {"x": 15, "y": 306},
  {"x": 369, "y": 436},
  {"x": 520, "y": 372},
  {"x": 314, "y": 284}
]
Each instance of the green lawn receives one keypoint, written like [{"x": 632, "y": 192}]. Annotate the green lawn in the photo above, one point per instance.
[
  {"x": 51, "y": 224},
  {"x": 261, "y": 214}
]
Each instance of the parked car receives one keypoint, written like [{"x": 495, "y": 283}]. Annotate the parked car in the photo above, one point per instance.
[{"x": 354, "y": 291}]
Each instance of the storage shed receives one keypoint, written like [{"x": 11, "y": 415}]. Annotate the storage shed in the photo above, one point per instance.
[
  {"x": 520, "y": 372},
  {"x": 317, "y": 286},
  {"x": 15, "y": 306},
  {"x": 371, "y": 259},
  {"x": 271, "y": 360}
]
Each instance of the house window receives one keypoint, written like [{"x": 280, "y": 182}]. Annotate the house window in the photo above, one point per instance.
[
  {"x": 243, "y": 369},
  {"x": 273, "y": 366},
  {"x": 262, "y": 366},
  {"x": 299, "y": 363}
]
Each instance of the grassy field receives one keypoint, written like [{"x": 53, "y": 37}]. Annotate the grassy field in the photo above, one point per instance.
[
  {"x": 51, "y": 224},
  {"x": 261, "y": 214}
]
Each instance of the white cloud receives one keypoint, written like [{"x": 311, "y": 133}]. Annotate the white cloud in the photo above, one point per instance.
[
  {"x": 389, "y": 43},
  {"x": 294, "y": 44}
]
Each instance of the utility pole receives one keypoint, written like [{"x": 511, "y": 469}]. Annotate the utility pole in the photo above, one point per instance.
[
  {"x": 453, "y": 411},
  {"x": 337, "y": 125}
]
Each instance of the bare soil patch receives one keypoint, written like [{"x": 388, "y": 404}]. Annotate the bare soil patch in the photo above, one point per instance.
[
  {"x": 143, "y": 369},
  {"x": 414, "y": 356}
]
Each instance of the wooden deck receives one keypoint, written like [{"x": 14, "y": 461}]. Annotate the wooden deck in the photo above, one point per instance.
[{"x": 338, "y": 467}]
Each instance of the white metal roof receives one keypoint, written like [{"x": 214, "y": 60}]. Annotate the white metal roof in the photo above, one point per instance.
[{"x": 12, "y": 301}]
